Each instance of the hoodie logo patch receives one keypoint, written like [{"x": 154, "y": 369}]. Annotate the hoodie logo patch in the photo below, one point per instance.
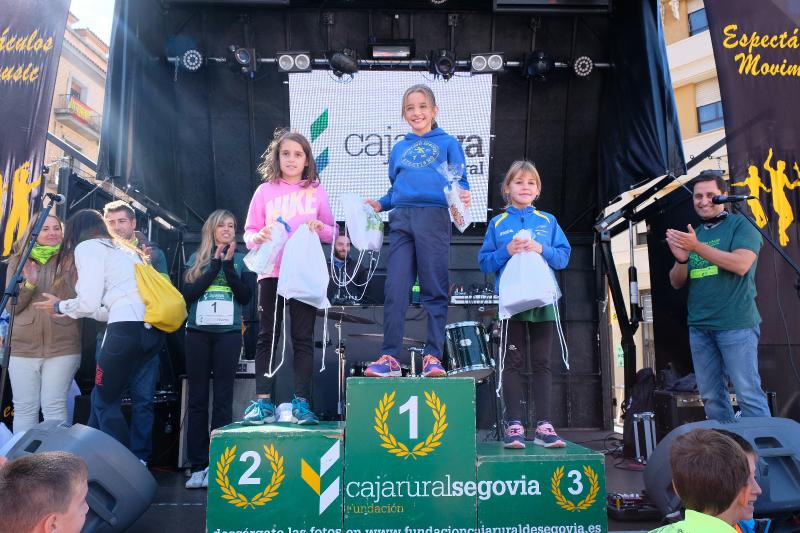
[{"x": 420, "y": 154}]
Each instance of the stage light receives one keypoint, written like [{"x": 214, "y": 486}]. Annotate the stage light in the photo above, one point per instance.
[
  {"x": 192, "y": 60},
  {"x": 244, "y": 59},
  {"x": 443, "y": 63},
  {"x": 344, "y": 62},
  {"x": 294, "y": 61},
  {"x": 486, "y": 63},
  {"x": 583, "y": 66},
  {"x": 538, "y": 64}
]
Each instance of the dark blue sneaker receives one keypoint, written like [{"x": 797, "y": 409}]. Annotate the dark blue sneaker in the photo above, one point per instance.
[
  {"x": 260, "y": 411},
  {"x": 432, "y": 367},
  {"x": 302, "y": 413},
  {"x": 514, "y": 436},
  {"x": 385, "y": 367},
  {"x": 546, "y": 436}
]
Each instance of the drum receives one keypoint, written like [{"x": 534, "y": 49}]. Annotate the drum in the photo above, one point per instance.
[
  {"x": 467, "y": 351},
  {"x": 359, "y": 367}
]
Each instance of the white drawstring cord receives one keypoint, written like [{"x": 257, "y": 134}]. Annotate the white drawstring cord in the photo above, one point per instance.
[
  {"x": 561, "y": 339},
  {"x": 501, "y": 359},
  {"x": 324, "y": 339}
]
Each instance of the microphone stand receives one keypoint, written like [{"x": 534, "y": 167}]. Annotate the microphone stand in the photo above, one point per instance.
[
  {"x": 775, "y": 246},
  {"x": 12, "y": 292}
]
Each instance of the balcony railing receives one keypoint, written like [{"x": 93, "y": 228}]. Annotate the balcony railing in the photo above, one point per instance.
[{"x": 74, "y": 112}]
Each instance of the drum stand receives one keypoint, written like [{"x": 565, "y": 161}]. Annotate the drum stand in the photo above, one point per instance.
[
  {"x": 412, "y": 352},
  {"x": 341, "y": 353}
]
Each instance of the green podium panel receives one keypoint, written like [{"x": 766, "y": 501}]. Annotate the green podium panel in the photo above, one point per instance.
[
  {"x": 410, "y": 454},
  {"x": 538, "y": 490},
  {"x": 280, "y": 477}
]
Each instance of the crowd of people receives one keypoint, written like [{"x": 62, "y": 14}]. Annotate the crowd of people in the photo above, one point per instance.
[{"x": 85, "y": 268}]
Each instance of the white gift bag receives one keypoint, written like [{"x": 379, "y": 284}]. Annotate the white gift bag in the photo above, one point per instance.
[
  {"x": 527, "y": 282},
  {"x": 363, "y": 223},
  {"x": 262, "y": 259},
  {"x": 459, "y": 213},
  {"x": 304, "y": 272}
]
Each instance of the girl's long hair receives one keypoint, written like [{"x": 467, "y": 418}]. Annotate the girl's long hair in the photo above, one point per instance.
[
  {"x": 19, "y": 245},
  {"x": 425, "y": 90},
  {"x": 270, "y": 167},
  {"x": 207, "y": 243}
]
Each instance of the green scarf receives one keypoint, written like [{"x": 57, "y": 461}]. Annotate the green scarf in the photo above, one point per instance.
[{"x": 42, "y": 253}]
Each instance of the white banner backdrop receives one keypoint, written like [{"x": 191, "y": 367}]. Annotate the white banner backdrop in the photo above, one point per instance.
[{"x": 353, "y": 123}]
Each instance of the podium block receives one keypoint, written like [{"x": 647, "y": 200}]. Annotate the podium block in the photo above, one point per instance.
[
  {"x": 275, "y": 477},
  {"x": 528, "y": 490},
  {"x": 410, "y": 455}
]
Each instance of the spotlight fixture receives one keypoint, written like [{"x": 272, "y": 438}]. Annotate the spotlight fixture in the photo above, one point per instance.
[
  {"x": 538, "y": 64},
  {"x": 344, "y": 62},
  {"x": 294, "y": 61},
  {"x": 244, "y": 59},
  {"x": 583, "y": 66},
  {"x": 192, "y": 60},
  {"x": 486, "y": 63},
  {"x": 443, "y": 63}
]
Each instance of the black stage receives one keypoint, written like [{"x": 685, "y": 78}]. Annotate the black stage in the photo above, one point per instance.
[{"x": 178, "y": 509}]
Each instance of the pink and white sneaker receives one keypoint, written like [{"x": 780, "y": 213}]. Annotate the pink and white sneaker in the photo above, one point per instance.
[{"x": 546, "y": 436}]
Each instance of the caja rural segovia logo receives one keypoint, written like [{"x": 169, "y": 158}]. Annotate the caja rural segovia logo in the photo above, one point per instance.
[
  {"x": 314, "y": 480},
  {"x": 399, "y": 448},
  {"x": 318, "y": 127}
]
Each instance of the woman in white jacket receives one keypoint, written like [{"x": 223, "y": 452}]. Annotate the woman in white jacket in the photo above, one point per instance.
[{"x": 106, "y": 291}]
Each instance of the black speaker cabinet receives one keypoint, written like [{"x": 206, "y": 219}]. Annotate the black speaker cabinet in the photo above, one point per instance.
[{"x": 777, "y": 442}]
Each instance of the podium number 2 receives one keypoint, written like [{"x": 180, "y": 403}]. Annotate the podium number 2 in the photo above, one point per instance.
[
  {"x": 577, "y": 486},
  {"x": 246, "y": 479},
  {"x": 413, "y": 423}
]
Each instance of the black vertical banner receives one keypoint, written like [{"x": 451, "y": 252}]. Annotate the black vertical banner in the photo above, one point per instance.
[
  {"x": 31, "y": 35},
  {"x": 757, "y": 53}
]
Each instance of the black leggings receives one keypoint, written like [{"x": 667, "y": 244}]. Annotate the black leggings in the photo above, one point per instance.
[
  {"x": 208, "y": 352},
  {"x": 302, "y": 318},
  {"x": 530, "y": 341}
]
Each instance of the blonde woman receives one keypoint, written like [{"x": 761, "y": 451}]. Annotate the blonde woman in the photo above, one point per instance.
[{"x": 215, "y": 293}]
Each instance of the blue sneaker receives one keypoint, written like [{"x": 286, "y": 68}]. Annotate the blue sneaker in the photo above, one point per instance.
[
  {"x": 546, "y": 436},
  {"x": 432, "y": 367},
  {"x": 385, "y": 367},
  {"x": 514, "y": 436},
  {"x": 302, "y": 413},
  {"x": 260, "y": 411}
]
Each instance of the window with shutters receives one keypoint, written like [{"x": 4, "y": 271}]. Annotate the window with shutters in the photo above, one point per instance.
[{"x": 698, "y": 22}]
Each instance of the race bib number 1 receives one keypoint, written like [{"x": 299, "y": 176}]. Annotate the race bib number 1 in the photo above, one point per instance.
[{"x": 215, "y": 307}]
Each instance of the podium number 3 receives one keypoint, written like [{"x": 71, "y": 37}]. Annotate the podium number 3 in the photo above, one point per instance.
[
  {"x": 412, "y": 406},
  {"x": 577, "y": 486}
]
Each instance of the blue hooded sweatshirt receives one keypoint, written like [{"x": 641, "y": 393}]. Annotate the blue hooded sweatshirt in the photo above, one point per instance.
[
  {"x": 544, "y": 229},
  {"x": 413, "y": 170}
]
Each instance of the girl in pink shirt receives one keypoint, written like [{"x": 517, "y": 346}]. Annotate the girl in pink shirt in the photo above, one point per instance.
[{"x": 293, "y": 192}]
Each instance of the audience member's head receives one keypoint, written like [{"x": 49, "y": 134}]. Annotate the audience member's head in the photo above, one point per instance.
[
  {"x": 710, "y": 473},
  {"x": 42, "y": 493},
  {"x": 341, "y": 247},
  {"x": 121, "y": 219},
  {"x": 752, "y": 460}
]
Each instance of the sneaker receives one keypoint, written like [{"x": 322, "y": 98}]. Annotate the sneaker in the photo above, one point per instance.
[
  {"x": 515, "y": 435},
  {"x": 302, "y": 413},
  {"x": 196, "y": 481},
  {"x": 385, "y": 367},
  {"x": 432, "y": 368},
  {"x": 546, "y": 436},
  {"x": 259, "y": 412},
  {"x": 205, "y": 478}
]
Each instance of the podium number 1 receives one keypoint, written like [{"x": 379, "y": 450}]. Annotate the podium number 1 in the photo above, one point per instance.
[{"x": 413, "y": 423}]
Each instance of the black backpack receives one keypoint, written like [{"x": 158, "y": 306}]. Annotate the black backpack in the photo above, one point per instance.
[{"x": 640, "y": 400}]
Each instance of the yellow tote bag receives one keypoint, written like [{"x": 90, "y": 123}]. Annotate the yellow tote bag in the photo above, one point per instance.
[{"x": 165, "y": 308}]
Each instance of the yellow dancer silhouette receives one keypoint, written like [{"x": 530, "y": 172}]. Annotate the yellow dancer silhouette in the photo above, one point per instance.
[
  {"x": 753, "y": 183},
  {"x": 20, "y": 204},
  {"x": 780, "y": 204}
]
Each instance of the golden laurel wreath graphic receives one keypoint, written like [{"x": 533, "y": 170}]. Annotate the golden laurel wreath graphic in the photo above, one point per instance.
[
  {"x": 564, "y": 503},
  {"x": 237, "y": 498},
  {"x": 399, "y": 448}
]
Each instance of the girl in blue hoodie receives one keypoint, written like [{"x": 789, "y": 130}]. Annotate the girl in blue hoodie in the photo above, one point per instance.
[
  {"x": 419, "y": 236},
  {"x": 530, "y": 333}
]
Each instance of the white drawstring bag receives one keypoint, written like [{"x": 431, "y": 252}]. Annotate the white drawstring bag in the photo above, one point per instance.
[
  {"x": 304, "y": 272},
  {"x": 459, "y": 214},
  {"x": 363, "y": 224},
  {"x": 262, "y": 260},
  {"x": 527, "y": 282}
]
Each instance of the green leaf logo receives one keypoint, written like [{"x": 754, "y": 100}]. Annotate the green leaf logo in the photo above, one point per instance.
[{"x": 319, "y": 125}]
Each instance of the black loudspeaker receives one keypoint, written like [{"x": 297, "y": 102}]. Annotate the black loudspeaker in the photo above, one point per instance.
[
  {"x": 777, "y": 442},
  {"x": 120, "y": 488}
]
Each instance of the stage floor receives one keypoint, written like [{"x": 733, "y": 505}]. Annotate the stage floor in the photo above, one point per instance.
[{"x": 178, "y": 509}]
